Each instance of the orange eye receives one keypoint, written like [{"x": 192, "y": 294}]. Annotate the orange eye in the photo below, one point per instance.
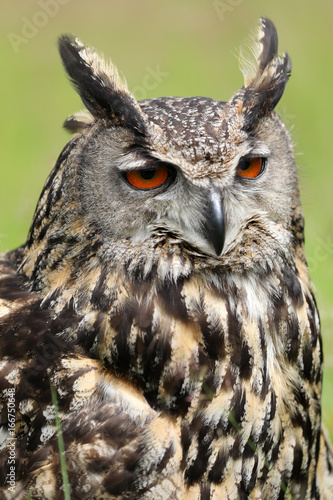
[
  {"x": 147, "y": 178},
  {"x": 251, "y": 167}
]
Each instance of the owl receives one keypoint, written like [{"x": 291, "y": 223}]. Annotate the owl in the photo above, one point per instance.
[{"x": 159, "y": 333}]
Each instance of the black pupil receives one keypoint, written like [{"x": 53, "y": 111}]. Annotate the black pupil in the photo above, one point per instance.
[
  {"x": 148, "y": 173},
  {"x": 245, "y": 163}
]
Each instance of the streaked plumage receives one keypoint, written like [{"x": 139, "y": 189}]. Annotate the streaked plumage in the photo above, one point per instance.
[{"x": 177, "y": 323}]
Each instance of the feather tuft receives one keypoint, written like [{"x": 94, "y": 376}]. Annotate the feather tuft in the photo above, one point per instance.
[
  {"x": 78, "y": 121},
  {"x": 99, "y": 85},
  {"x": 259, "y": 53}
]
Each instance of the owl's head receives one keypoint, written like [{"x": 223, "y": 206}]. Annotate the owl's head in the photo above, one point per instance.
[{"x": 212, "y": 179}]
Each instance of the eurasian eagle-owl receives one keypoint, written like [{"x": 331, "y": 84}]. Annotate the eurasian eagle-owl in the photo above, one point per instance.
[{"x": 163, "y": 294}]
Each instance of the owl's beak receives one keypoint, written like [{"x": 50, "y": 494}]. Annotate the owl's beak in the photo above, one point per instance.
[{"x": 214, "y": 227}]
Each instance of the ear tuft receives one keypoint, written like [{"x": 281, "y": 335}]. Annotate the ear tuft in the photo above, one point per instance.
[
  {"x": 265, "y": 73},
  {"x": 98, "y": 83}
]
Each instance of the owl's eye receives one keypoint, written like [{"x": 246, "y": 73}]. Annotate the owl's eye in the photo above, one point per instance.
[
  {"x": 147, "y": 178},
  {"x": 251, "y": 167}
]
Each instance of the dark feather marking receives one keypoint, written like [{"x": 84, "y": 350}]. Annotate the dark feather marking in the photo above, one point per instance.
[
  {"x": 278, "y": 300},
  {"x": 185, "y": 439},
  {"x": 172, "y": 302},
  {"x": 298, "y": 471},
  {"x": 99, "y": 299},
  {"x": 204, "y": 491},
  {"x": 155, "y": 358},
  {"x": 304, "y": 423},
  {"x": 318, "y": 438},
  {"x": 236, "y": 449},
  {"x": 311, "y": 317},
  {"x": 265, "y": 375},
  {"x": 173, "y": 386},
  {"x": 284, "y": 481},
  {"x": 121, "y": 358},
  {"x": 265, "y": 470},
  {"x": 315, "y": 490},
  {"x": 237, "y": 406},
  {"x": 248, "y": 486},
  {"x": 293, "y": 338},
  {"x": 122, "y": 480},
  {"x": 142, "y": 281},
  {"x": 213, "y": 336},
  {"x": 293, "y": 286},
  {"x": 301, "y": 397},
  {"x": 216, "y": 473},
  {"x": 66, "y": 246},
  {"x": 273, "y": 405},
  {"x": 199, "y": 466},
  {"x": 275, "y": 452},
  {"x": 242, "y": 494},
  {"x": 169, "y": 452},
  {"x": 241, "y": 356},
  {"x": 86, "y": 337},
  {"x": 245, "y": 361},
  {"x": 307, "y": 357}
]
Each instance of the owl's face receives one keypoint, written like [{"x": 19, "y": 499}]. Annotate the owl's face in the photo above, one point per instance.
[
  {"x": 188, "y": 176},
  {"x": 195, "y": 176}
]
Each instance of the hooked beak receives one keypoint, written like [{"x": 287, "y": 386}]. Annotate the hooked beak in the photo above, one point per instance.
[{"x": 214, "y": 222}]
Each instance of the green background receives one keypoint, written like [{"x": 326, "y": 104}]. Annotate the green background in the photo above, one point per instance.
[{"x": 192, "y": 45}]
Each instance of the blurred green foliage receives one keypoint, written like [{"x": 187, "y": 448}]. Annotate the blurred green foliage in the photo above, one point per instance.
[{"x": 192, "y": 46}]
